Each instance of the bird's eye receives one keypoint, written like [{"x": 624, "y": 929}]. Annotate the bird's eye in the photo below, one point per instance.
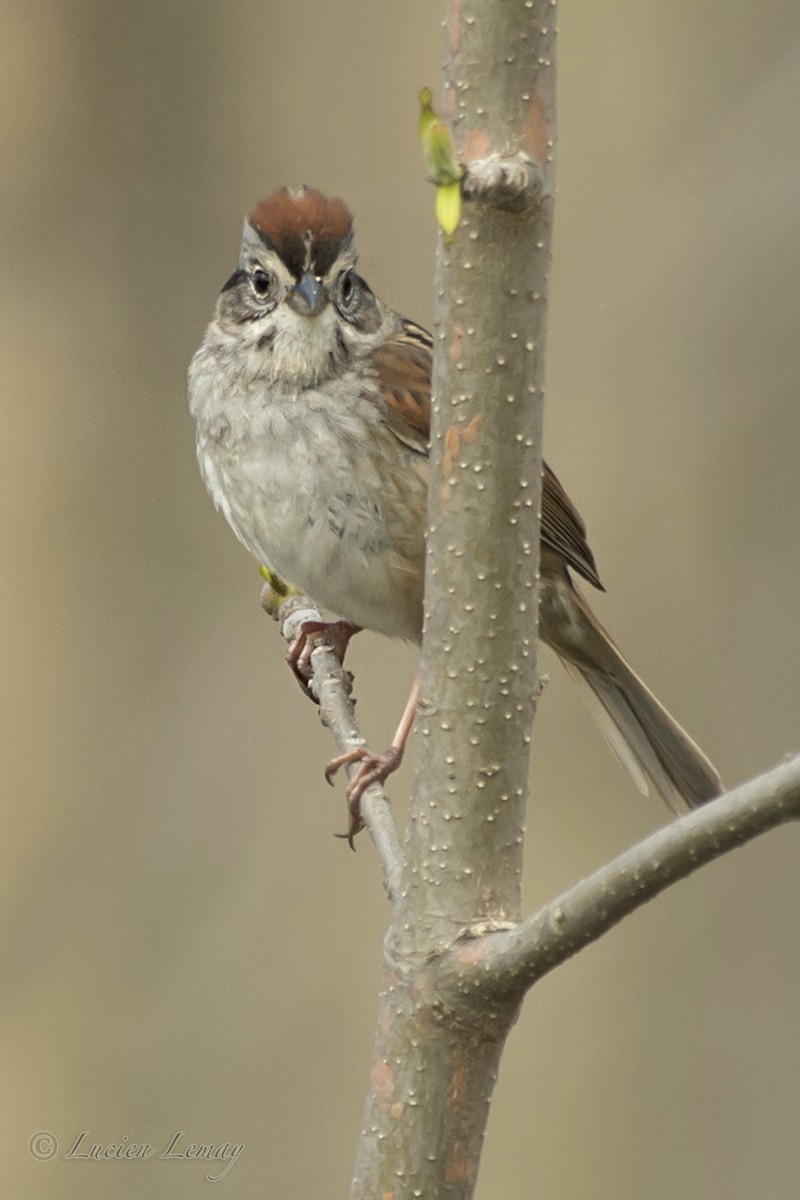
[
  {"x": 261, "y": 282},
  {"x": 348, "y": 291}
]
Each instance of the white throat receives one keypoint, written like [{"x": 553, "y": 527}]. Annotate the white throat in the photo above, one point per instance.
[{"x": 303, "y": 350}]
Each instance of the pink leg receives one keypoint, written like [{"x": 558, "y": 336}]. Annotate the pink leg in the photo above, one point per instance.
[{"x": 374, "y": 768}]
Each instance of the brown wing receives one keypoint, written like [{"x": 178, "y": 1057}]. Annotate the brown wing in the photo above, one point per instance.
[
  {"x": 563, "y": 529},
  {"x": 403, "y": 365}
]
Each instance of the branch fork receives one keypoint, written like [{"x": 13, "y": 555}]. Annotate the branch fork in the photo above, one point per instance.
[{"x": 500, "y": 960}]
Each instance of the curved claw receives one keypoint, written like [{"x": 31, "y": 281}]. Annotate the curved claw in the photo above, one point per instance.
[
  {"x": 337, "y": 635},
  {"x": 375, "y": 768},
  {"x": 343, "y": 760}
]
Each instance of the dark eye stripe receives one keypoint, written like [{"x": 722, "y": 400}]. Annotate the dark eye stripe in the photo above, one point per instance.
[{"x": 236, "y": 278}]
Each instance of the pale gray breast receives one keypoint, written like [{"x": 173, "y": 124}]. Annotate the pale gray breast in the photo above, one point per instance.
[{"x": 317, "y": 488}]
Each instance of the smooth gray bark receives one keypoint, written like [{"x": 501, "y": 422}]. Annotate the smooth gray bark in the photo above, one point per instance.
[{"x": 434, "y": 1063}]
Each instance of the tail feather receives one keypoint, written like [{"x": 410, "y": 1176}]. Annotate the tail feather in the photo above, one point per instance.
[
  {"x": 655, "y": 754},
  {"x": 649, "y": 743}
]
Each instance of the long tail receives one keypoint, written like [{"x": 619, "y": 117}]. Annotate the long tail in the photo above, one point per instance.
[{"x": 649, "y": 743}]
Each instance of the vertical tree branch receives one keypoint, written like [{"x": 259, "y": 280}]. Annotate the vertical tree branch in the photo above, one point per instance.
[
  {"x": 479, "y": 669},
  {"x": 435, "y": 1066}
]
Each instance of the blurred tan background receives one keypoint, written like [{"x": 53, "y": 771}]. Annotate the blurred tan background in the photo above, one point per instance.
[{"x": 184, "y": 945}]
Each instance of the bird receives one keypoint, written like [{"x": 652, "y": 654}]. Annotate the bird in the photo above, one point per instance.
[{"x": 312, "y": 404}]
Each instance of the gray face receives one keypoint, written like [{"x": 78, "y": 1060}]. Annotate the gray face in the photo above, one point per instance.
[{"x": 305, "y": 324}]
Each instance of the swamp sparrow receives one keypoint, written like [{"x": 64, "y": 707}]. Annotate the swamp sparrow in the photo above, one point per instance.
[{"x": 312, "y": 404}]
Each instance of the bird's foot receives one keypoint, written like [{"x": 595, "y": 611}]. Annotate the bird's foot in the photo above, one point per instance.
[
  {"x": 337, "y": 635},
  {"x": 374, "y": 768}
]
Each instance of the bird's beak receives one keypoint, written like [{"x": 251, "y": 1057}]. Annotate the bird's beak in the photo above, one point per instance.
[{"x": 308, "y": 297}]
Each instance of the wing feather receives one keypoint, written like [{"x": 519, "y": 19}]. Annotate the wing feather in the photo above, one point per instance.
[{"x": 403, "y": 366}]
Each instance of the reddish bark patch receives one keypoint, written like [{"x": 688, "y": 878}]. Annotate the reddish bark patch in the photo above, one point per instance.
[
  {"x": 454, "y": 349},
  {"x": 452, "y": 445},
  {"x": 461, "y": 1170},
  {"x": 382, "y": 1084},
  {"x": 471, "y": 431},
  {"x": 477, "y": 145},
  {"x": 453, "y": 25},
  {"x": 540, "y": 125}
]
